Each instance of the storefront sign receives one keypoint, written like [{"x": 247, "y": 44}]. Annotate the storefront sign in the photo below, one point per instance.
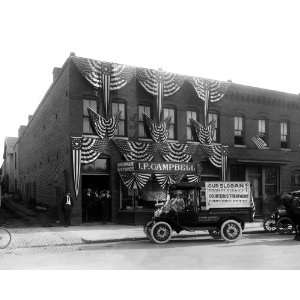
[
  {"x": 156, "y": 167},
  {"x": 227, "y": 194}
]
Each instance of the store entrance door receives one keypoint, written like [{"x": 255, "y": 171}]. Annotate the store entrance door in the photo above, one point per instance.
[
  {"x": 96, "y": 206},
  {"x": 254, "y": 176}
]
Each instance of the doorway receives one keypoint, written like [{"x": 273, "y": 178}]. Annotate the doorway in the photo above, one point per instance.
[{"x": 95, "y": 207}]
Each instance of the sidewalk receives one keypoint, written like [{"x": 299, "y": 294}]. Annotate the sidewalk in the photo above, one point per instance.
[{"x": 87, "y": 234}]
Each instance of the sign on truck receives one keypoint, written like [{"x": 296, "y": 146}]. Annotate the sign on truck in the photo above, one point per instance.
[{"x": 231, "y": 194}]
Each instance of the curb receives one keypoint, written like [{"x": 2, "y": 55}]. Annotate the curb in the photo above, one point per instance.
[{"x": 133, "y": 239}]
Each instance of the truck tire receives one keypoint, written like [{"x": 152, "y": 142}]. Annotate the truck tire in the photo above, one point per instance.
[
  {"x": 161, "y": 232},
  {"x": 231, "y": 230},
  {"x": 285, "y": 225},
  {"x": 270, "y": 225}
]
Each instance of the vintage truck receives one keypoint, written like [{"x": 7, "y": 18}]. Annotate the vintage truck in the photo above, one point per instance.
[{"x": 220, "y": 207}]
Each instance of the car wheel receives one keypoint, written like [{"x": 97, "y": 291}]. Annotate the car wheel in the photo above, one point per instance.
[
  {"x": 161, "y": 232},
  {"x": 215, "y": 233},
  {"x": 285, "y": 225},
  {"x": 5, "y": 238},
  {"x": 270, "y": 225},
  {"x": 231, "y": 230}
]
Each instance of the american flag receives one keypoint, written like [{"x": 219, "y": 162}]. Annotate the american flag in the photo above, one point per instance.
[
  {"x": 76, "y": 160},
  {"x": 259, "y": 142}
]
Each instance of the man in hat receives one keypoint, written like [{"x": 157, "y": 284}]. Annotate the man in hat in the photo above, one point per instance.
[{"x": 67, "y": 208}]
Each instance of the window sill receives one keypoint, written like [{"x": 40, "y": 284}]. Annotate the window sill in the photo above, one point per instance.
[
  {"x": 286, "y": 149},
  {"x": 192, "y": 142},
  {"x": 121, "y": 137},
  {"x": 240, "y": 146},
  {"x": 144, "y": 139}
]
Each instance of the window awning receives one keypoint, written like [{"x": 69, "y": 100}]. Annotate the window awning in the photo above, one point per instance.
[{"x": 263, "y": 162}]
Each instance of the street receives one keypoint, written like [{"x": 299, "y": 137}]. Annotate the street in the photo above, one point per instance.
[{"x": 253, "y": 251}]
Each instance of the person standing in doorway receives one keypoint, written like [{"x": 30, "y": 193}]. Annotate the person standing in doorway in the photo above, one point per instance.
[
  {"x": 105, "y": 205},
  {"x": 67, "y": 208}
]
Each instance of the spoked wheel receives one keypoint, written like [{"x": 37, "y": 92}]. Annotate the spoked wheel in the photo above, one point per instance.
[
  {"x": 5, "y": 238},
  {"x": 147, "y": 229},
  {"x": 161, "y": 232},
  {"x": 285, "y": 225},
  {"x": 270, "y": 225},
  {"x": 215, "y": 233},
  {"x": 231, "y": 231}
]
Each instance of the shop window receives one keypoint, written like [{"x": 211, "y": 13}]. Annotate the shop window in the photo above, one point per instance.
[
  {"x": 239, "y": 131},
  {"x": 143, "y": 109},
  {"x": 120, "y": 108},
  {"x": 170, "y": 112},
  {"x": 284, "y": 134},
  {"x": 263, "y": 130},
  {"x": 214, "y": 117},
  {"x": 87, "y": 127},
  {"x": 190, "y": 115}
]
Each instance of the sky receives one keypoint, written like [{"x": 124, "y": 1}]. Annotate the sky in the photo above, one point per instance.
[{"x": 249, "y": 42}]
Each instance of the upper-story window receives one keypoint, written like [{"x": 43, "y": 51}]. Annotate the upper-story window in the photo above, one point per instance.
[
  {"x": 190, "y": 115},
  {"x": 143, "y": 109},
  {"x": 116, "y": 108},
  {"x": 263, "y": 130},
  {"x": 170, "y": 112},
  {"x": 214, "y": 117},
  {"x": 239, "y": 131},
  {"x": 87, "y": 127},
  {"x": 284, "y": 134}
]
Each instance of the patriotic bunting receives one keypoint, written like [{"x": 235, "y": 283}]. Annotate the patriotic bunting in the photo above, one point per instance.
[
  {"x": 211, "y": 90},
  {"x": 104, "y": 127},
  {"x": 159, "y": 132},
  {"x": 134, "y": 181},
  {"x": 259, "y": 142},
  {"x": 167, "y": 179},
  {"x": 193, "y": 178},
  {"x": 94, "y": 72},
  {"x": 204, "y": 134},
  {"x": 76, "y": 143},
  {"x": 177, "y": 152},
  {"x": 151, "y": 79},
  {"x": 92, "y": 148},
  {"x": 142, "y": 151}
]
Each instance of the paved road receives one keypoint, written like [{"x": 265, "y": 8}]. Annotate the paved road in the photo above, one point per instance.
[{"x": 254, "y": 251}]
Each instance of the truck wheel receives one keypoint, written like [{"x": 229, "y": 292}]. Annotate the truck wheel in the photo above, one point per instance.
[
  {"x": 270, "y": 225},
  {"x": 285, "y": 225},
  {"x": 161, "y": 232},
  {"x": 231, "y": 230},
  {"x": 215, "y": 233},
  {"x": 147, "y": 229}
]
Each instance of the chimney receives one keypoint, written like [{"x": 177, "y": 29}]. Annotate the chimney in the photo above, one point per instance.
[
  {"x": 21, "y": 130},
  {"x": 56, "y": 72},
  {"x": 29, "y": 118}
]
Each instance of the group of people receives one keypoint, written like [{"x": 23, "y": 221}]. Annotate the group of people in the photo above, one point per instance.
[
  {"x": 177, "y": 202},
  {"x": 96, "y": 206}
]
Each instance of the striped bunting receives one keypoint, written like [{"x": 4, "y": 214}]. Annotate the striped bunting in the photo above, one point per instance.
[
  {"x": 177, "y": 153},
  {"x": 150, "y": 80},
  {"x": 93, "y": 71},
  {"x": 92, "y": 148},
  {"x": 193, "y": 178},
  {"x": 134, "y": 181},
  {"x": 211, "y": 90},
  {"x": 159, "y": 132},
  {"x": 76, "y": 143},
  {"x": 104, "y": 127},
  {"x": 167, "y": 179},
  {"x": 204, "y": 134},
  {"x": 259, "y": 142},
  {"x": 141, "y": 151}
]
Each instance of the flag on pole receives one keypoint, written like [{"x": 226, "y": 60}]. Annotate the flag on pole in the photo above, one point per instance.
[
  {"x": 259, "y": 142},
  {"x": 76, "y": 161}
]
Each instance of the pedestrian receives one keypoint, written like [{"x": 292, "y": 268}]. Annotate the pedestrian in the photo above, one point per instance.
[
  {"x": 105, "y": 205},
  {"x": 67, "y": 208}
]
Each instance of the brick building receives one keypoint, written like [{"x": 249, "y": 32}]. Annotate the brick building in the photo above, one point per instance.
[{"x": 243, "y": 117}]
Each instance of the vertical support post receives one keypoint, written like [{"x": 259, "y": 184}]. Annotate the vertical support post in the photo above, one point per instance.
[
  {"x": 224, "y": 164},
  {"x": 206, "y": 108}
]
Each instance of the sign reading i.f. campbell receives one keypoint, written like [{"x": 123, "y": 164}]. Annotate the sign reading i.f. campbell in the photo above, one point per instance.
[
  {"x": 227, "y": 194},
  {"x": 156, "y": 167}
]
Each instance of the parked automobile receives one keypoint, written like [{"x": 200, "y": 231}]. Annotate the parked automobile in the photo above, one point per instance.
[{"x": 222, "y": 208}]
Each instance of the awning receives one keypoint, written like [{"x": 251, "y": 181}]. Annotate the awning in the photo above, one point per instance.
[{"x": 263, "y": 162}]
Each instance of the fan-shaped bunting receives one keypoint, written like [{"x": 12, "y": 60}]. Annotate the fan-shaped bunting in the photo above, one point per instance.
[
  {"x": 134, "y": 181},
  {"x": 159, "y": 132}
]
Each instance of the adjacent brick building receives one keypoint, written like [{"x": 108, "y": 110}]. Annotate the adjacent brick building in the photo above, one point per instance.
[{"x": 45, "y": 152}]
